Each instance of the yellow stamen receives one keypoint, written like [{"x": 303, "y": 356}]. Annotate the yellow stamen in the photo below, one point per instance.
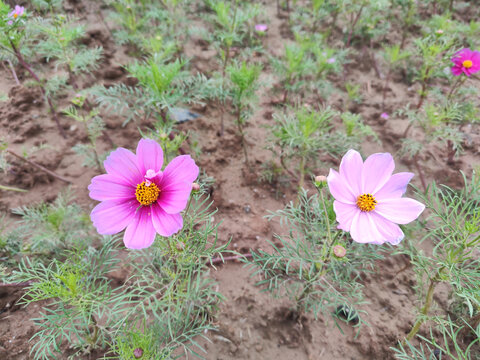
[
  {"x": 467, "y": 64},
  {"x": 366, "y": 202},
  {"x": 15, "y": 15},
  {"x": 147, "y": 195}
]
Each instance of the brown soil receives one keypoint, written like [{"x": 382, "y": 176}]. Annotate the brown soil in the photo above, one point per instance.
[{"x": 251, "y": 324}]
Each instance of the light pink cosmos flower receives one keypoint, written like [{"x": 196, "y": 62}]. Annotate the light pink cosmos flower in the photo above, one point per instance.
[
  {"x": 137, "y": 195},
  {"x": 17, "y": 12},
  {"x": 466, "y": 61},
  {"x": 368, "y": 198},
  {"x": 261, "y": 27},
  {"x": 384, "y": 115}
]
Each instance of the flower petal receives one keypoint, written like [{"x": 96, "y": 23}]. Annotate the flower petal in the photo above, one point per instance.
[
  {"x": 122, "y": 163},
  {"x": 140, "y": 233},
  {"x": 176, "y": 184},
  {"x": 165, "y": 224},
  {"x": 399, "y": 210},
  {"x": 351, "y": 170},
  {"x": 377, "y": 170},
  {"x": 111, "y": 217},
  {"x": 368, "y": 227},
  {"x": 149, "y": 156},
  {"x": 345, "y": 214},
  {"x": 395, "y": 187},
  {"x": 457, "y": 70},
  {"x": 182, "y": 168},
  {"x": 390, "y": 231},
  {"x": 174, "y": 196},
  {"x": 110, "y": 187},
  {"x": 339, "y": 188},
  {"x": 363, "y": 230}
]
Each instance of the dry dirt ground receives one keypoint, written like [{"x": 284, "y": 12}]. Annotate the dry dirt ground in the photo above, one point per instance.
[{"x": 251, "y": 324}]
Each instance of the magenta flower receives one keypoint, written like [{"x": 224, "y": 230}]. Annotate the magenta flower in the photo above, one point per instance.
[
  {"x": 368, "y": 198},
  {"x": 17, "y": 12},
  {"x": 384, "y": 115},
  {"x": 466, "y": 61},
  {"x": 137, "y": 195},
  {"x": 261, "y": 27}
]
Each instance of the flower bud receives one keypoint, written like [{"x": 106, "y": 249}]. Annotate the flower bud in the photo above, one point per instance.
[
  {"x": 339, "y": 251},
  {"x": 138, "y": 353},
  {"x": 320, "y": 181},
  {"x": 195, "y": 187}
]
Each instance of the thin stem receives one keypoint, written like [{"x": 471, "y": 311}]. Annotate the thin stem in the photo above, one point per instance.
[
  {"x": 426, "y": 307},
  {"x": 40, "y": 167},
  {"x": 327, "y": 222},
  {"x": 357, "y": 17},
  {"x": 37, "y": 79},
  {"x": 420, "y": 172},
  {"x": 9, "y": 188},
  {"x": 14, "y": 74}
]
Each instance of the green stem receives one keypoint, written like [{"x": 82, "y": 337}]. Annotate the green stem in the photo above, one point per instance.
[
  {"x": 9, "y": 188},
  {"x": 426, "y": 307}
]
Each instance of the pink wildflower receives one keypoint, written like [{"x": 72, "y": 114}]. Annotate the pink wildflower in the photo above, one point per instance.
[
  {"x": 384, "y": 116},
  {"x": 17, "y": 12},
  {"x": 466, "y": 61},
  {"x": 331, "y": 60},
  {"x": 137, "y": 195},
  {"x": 368, "y": 198},
  {"x": 261, "y": 27}
]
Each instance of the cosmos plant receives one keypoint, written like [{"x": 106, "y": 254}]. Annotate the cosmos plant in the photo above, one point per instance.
[
  {"x": 137, "y": 195},
  {"x": 368, "y": 198}
]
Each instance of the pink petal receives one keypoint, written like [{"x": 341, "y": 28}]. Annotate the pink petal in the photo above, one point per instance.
[
  {"x": 174, "y": 196},
  {"x": 363, "y": 230},
  {"x": 351, "y": 170},
  {"x": 339, "y": 188},
  {"x": 176, "y": 184},
  {"x": 111, "y": 217},
  {"x": 140, "y": 233},
  {"x": 373, "y": 229},
  {"x": 149, "y": 156},
  {"x": 390, "y": 231},
  {"x": 377, "y": 170},
  {"x": 400, "y": 210},
  {"x": 165, "y": 224},
  {"x": 123, "y": 164},
  {"x": 110, "y": 187},
  {"x": 395, "y": 187},
  {"x": 456, "y": 71},
  {"x": 345, "y": 214},
  {"x": 182, "y": 168}
]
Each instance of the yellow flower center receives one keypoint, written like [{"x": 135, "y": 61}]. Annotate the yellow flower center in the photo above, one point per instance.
[
  {"x": 467, "y": 64},
  {"x": 15, "y": 15},
  {"x": 366, "y": 202},
  {"x": 147, "y": 194}
]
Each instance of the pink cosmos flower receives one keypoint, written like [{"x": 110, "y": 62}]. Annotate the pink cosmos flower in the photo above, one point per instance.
[
  {"x": 331, "y": 60},
  {"x": 384, "y": 115},
  {"x": 17, "y": 12},
  {"x": 137, "y": 195},
  {"x": 466, "y": 61},
  {"x": 368, "y": 198},
  {"x": 261, "y": 27}
]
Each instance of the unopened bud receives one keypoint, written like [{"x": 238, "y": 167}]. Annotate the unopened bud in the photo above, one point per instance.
[
  {"x": 138, "y": 353},
  {"x": 180, "y": 246},
  {"x": 163, "y": 136},
  {"x": 339, "y": 251},
  {"x": 195, "y": 187},
  {"x": 320, "y": 181}
]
